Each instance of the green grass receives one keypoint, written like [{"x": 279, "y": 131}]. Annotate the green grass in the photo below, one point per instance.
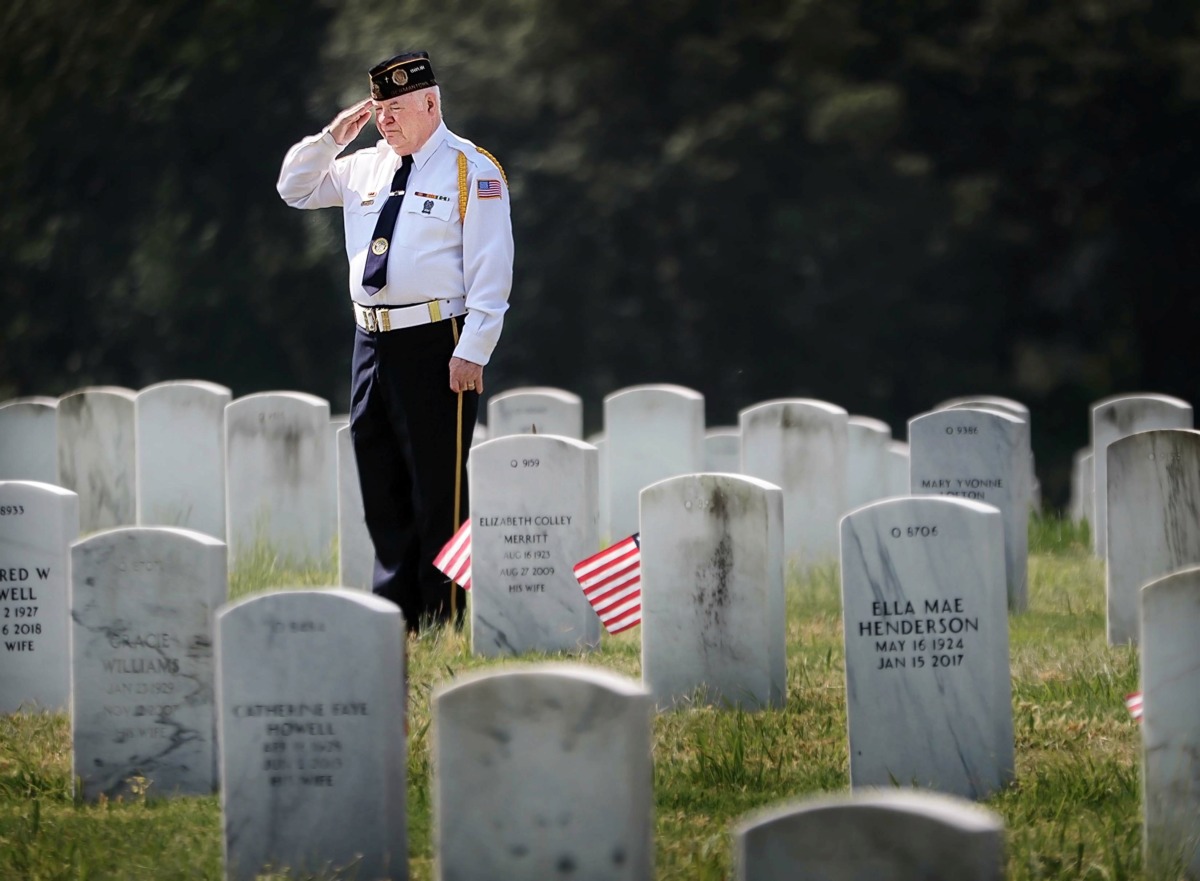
[{"x": 1073, "y": 811}]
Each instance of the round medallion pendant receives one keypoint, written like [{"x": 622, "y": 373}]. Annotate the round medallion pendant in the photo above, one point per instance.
[{"x": 379, "y": 246}]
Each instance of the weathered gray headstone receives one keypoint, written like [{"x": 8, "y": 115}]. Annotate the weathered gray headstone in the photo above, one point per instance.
[
  {"x": 534, "y": 515},
  {"x": 597, "y": 441},
  {"x": 1170, "y": 656},
  {"x": 356, "y": 553},
  {"x": 277, "y": 460},
  {"x": 479, "y": 435},
  {"x": 535, "y": 410},
  {"x": 336, "y": 424},
  {"x": 142, "y": 605},
  {"x": 877, "y": 835},
  {"x": 38, "y": 522},
  {"x": 1082, "y": 474},
  {"x": 867, "y": 442},
  {"x": 713, "y": 621},
  {"x": 981, "y": 455},
  {"x": 310, "y": 700},
  {"x": 181, "y": 456},
  {"x": 898, "y": 465},
  {"x": 723, "y": 450},
  {"x": 29, "y": 439},
  {"x": 97, "y": 456},
  {"x": 1117, "y": 417},
  {"x": 651, "y": 432},
  {"x": 1153, "y": 518},
  {"x": 928, "y": 689},
  {"x": 987, "y": 402},
  {"x": 800, "y": 446},
  {"x": 549, "y": 769}
]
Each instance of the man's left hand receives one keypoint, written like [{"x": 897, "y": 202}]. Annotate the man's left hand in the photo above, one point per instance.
[{"x": 466, "y": 376}]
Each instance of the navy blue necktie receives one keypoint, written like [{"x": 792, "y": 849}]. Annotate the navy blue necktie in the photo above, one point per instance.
[{"x": 375, "y": 271}]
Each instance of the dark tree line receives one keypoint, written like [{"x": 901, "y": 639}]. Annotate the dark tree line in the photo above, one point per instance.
[{"x": 881, "y": 204}]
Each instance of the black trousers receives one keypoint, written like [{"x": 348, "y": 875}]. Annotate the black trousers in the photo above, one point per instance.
[{"x": 411, "y": 437}]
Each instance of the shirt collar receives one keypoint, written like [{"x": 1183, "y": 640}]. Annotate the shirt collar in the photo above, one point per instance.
[{"x": 430, "y": 147}]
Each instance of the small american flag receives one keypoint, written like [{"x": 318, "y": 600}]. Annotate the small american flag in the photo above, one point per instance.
[
  {"x": 611, "y": 581},
  {"x": 455, "y": 558},
  {"x": 1133, "y": 703},
  {"x": 488, "y": 189}
]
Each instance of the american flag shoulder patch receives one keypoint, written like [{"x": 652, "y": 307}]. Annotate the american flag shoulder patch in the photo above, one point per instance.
[{"x": 488, "y": 189}]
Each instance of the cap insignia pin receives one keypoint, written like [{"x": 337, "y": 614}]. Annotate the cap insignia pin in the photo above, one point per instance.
[{"x": 400, "y": 76}]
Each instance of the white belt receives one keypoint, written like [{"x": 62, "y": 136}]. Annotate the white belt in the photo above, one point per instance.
[{"x": 384, "y": 318}]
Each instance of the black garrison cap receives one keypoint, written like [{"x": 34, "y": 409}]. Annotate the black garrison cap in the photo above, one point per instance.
[{"x": 400, "y": 75}]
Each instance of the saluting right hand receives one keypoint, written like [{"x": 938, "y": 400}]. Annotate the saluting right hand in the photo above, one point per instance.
[{"x": 347, "y": 124}]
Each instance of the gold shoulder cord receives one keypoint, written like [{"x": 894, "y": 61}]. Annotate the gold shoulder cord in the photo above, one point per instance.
[{"x": 462, "y": 180}]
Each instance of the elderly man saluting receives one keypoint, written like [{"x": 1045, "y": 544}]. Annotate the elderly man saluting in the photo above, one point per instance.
[{"x": 429, "y": 240}]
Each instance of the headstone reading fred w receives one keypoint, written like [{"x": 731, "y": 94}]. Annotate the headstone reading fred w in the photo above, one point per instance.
[
  {"x": 1117, "y": 417},
  {"x": 310, "y": 701},
  {"x": 29, "y": 439},
  {"x": 928, "y": 690},
  {"x": 1171, "y": 724},
  {"x": 713, "y": 620},
  {"x": 97, "y": 455},
  {"x": 542, "y": 772},
  {"x": 181, "y": 456},
  {"x": 876, "y": 835},
  {"x": 799, "y": 445},
  {"x": 38, "y": 522},
  {"x": 534, "y": 515},
  {"x": 142, "y": 604},
  {"x": 1153, "y": 518},
  {"x": 535, "y": 410},
  {"x": 981, "y": 455}
]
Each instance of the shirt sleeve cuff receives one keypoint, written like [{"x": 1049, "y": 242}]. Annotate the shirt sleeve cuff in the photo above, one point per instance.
[{"x": 471, "y": 348}]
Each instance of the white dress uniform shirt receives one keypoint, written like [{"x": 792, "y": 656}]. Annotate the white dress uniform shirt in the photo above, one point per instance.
[{"x": 433, "y": 254}]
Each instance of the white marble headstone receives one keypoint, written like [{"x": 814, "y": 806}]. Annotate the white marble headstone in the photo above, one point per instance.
[
  {"x": 1170, "y": 656},
  {"x": 336, "y": 424},
  {"x": 597, "y": 441},
  {"x": 277, "y": 458},
  {"x": 29, "y": 439},
  {"x": 1153, "y": 518},
  {"x": 535, "y": 410},
  {"x": 981, "y": 455},
  {"x": 928, "y": 689},
  {"x": 899, "y": 462},
  {"x": 310, "y": 698},
  {"x": 723, "y": 450},
  {"x": 713, "y": 618},
  {"x": 534, "y": 515},
  {"x": 800, "y": 446},
  {"x": 867, "y": 442},
  {"x": 987, "y": 402},
  {"x": 1082, "y": 474},
  {"x": 356, "y": 553},
  {"x": 97, "y": 457},
  {"x": 142, "y": 605},
  {"x": 543, "y": 772},
  {"x": 1117, "y": 417},
  {"x": 479, "y": 434},
  {"x": 651, "y": 432},
  {"x": 38, "y": 522},
  {"x": 181, "y": 456},
  {"x": 877, "y": 835}
]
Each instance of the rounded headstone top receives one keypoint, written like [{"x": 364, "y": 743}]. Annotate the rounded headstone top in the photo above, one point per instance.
[
  {"x": 526, "y": 441},
  {"x": 870, "y": 424},
  {"x": 112, "y": 534},
  {"x": 709, "y": 477},
  {"x": 30, "y": 401},
  {"x": 1007, "y": 404},
  {"x": 299, "y": 397},
  {"x": 368, "y": 601},
  {"x": 1168, "y": 400},
  {"x": 173, "y": 385},
  {"x": 949, "y": 413},
  {"x": 539, "y": 390},
  {"x": 565, "y": 672},
  {"x": 90, "y": 391},
  {"x": 34, "y": 486},
  {"x": 967, "y": 505},
  {"x": 949, "y": 810},
  {"x": 680, "y": 390}
]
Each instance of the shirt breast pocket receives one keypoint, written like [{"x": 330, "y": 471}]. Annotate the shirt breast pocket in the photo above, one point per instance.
[
  {"x": 426, "y": 223},
  {"x": 360, "y": 224}
]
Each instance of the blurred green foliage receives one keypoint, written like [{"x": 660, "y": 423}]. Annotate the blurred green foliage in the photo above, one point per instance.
[{"x": 880, "y": 203}]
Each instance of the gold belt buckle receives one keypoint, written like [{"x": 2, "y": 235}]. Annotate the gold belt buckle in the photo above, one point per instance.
[{"x": 369, "y": 317}]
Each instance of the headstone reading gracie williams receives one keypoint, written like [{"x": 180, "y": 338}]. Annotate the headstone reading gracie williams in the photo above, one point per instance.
[
  {"x": 142, "y": 603},
  {"x": 38, "y": 522},
  {"x": 534, "y": 515},
  {"x": 542, "y": 772},
  {"x": 928, "y": 689},
  {"x": 310, "y": 698},
  {"x": 713, "y": 621}
]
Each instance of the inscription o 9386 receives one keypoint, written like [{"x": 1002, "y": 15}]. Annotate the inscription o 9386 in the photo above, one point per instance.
[
  {"x": 962, "y": 429},
  {"x": 914, "y": 532}
]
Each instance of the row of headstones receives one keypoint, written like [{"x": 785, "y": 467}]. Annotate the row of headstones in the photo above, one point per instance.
[
  {"x": 122, "y": 631},
  {"x": 1145, "y": 521},
  {"x": 927, "y": 680}
]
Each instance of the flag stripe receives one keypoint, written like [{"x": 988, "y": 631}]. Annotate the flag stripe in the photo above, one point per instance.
[
  {"x": 454, "y": 560},
  {"x": 611, "y": 582}
]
